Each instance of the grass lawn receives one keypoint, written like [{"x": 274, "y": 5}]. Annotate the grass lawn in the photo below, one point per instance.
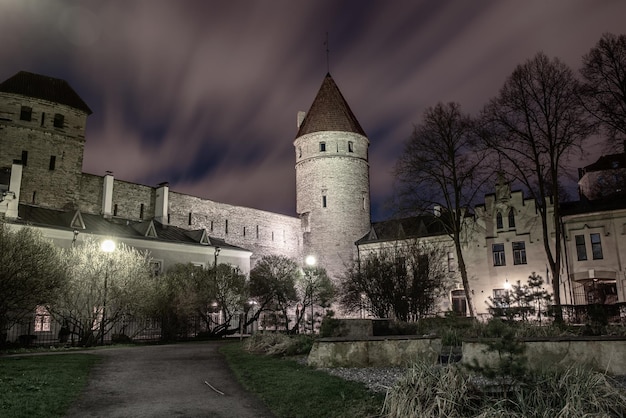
[
  {"x": 292, "y": 390},
  {"x": 42, "y": 386}
]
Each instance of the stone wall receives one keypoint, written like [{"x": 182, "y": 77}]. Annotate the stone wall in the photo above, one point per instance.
[
  {"x": 605, "y": 354},
  {"x": 54, "y": 156},
  {"x": 261, "y": 232},
  {"x": 374, "y": 351}
]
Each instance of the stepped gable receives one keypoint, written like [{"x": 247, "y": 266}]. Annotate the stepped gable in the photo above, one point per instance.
[
  {"x": 329, "y": 112},
  {"x": 45, "y": 88}
]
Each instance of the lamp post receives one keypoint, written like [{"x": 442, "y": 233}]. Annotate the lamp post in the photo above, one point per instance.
[
  {"x": 311, "y": 262},
  {"x": 107, "y": 246}
]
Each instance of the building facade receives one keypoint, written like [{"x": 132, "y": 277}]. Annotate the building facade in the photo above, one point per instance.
[{"x": 42, "y": 137}]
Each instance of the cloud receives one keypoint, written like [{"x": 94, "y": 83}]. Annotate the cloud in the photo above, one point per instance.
[{"x": 204, "y": 94}]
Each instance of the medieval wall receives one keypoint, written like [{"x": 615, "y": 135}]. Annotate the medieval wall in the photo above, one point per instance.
[{"x": 51, "y": 156}]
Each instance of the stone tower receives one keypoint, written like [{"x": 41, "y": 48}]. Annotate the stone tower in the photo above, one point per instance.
[
  {"x": 42, "y": 128},
  {"x": 332, "y": 179}
]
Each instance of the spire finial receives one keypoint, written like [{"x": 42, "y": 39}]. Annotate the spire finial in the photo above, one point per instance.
[{"x": 327, "y": 54}]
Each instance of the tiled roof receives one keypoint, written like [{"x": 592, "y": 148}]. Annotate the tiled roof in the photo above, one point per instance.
[
  {"x": 45, "y": 88},
  {"x": 405, "y": 228},
  {"x": 616, "y": 201},
  {"x": 329, "y": 112},
  {"x": 116, "y": 227},
  {"x": 607, "y": 162}
]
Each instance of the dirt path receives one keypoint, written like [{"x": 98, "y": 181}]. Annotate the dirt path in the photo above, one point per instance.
[{"x": 165, "y": 381}]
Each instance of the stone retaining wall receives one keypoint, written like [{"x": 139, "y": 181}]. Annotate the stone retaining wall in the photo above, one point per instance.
[
  {"x": 374, "y": 351},
  {"x": 603, "y": 354}
]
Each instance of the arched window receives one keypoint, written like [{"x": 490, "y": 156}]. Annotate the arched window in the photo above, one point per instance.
[
  {"x": 499, "y": 224},
  {"x": 511, "y": 218}
]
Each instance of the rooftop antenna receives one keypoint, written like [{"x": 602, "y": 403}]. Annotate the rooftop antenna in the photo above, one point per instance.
[{"x": 327, "y": 54}]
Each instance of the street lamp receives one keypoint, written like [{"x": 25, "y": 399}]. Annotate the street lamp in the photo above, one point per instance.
[
  {"x": 311, "y": 262},
  {"x": 107, "y": 246}
]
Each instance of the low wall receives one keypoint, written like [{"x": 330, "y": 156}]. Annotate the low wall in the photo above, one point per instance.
[
  {"x": 604, "y": 354},
  {"x": 374, "y": 351}
]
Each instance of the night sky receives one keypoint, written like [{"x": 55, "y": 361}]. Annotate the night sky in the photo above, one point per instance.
[{"x": 204, "y": 94}]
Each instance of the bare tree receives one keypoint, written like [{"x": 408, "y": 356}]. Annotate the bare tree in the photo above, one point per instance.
[
  {"x": 403, "y": 281},
  {"x": 534, "y": 124},
  {"x": 103, "y": 289},
  {"x": 604, "y": 89},
  {"x": 31, "y": 274},
  {"x": 440, "y": 167}
]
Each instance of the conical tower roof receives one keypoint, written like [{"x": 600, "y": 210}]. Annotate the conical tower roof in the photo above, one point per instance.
[
  {"x": 329, "y": 112},
  {"x": 44, "y": 87}
]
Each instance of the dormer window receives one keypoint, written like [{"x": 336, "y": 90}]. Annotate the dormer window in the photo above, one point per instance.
[
  {"x": 499, "y": 223},
  {"x": 26, "y": 113},
  {"x": 322, "y": 146},
  {"x": 58, "y": 120},
  {"x": 511, "y": 218}
]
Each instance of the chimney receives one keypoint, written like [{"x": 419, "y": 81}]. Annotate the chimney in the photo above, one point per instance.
[
  {"x": 12, "y": 197},
  {"x": 107, "y": 194},
  {"x": 161, "y": 203},
  {"x": 301, "y": 116}
]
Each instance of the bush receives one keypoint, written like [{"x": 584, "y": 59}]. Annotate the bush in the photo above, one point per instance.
[{"x": 274, "y": 344}]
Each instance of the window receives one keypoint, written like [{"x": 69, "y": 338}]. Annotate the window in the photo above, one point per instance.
[
  {"x": 459, "y": 304},
  {"x": 299, "y": 152},
  {"x": 272, "y": 235},
  {"x": 519, "y": 252},
  {"x": 42, "y": 319},
  {"x": 451, "y": 266},
  {"x": 322, "y": 146},
  {"x": 189, "y": 219},
  {"x": 499, "y": 293},
  {"x": 350, "y": 146},
  {"x": 141, "y": 207},
  {"x": 596, "y": 247},
  {"x": 53, "y": 161},
  {"x": 323, "y": 201},
  {"x": 43, "y": 117},
  {"x": 257, "y": 231},
  {"x": 211, "y": 226},
  {"x": 244, "y": 231},
  {"x": 34, "y": 197},
  {"x": 24, "y": 158},
  {"x": 26, "y": 113},
  {"x": 512, "y": 219},
  {"x": 156, "y": 267},
  {"x": 581, "y": 251},
  {"x": 115, "y": 210},
  {"x": 58, "y": 120},
  {"x": 499, "y": 223},
  {"x": 498, "y": 255},
  {"x": 226, "y": 227}
]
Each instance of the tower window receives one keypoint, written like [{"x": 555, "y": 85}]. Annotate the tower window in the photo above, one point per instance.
[
  {"x": 34, "y": 197},
  {"x": 53, "y": 160},
  {"x": 141, "y": 207},
  {"x": 58, "y": 120},
  {"x": 350, "y": 146},
  {"x": 115, "y": 210},
  {"x": 211, "y": 226},
  {"x": 244, "y": 231},
  {"x": 26, "y": 113},
  {"x": 322, "y": 146},
  {"x": 272, "y": 235},
  {"x": 189, "y": 220},
  {"x": 299, "y": 152},
  {"x": 323, "y": 201},
  {"x": 43, "y": 117},
  {"x": 257, "y": 231},
  {"x": 24, "y": 158},
  {"x": 226, "y": 227}
]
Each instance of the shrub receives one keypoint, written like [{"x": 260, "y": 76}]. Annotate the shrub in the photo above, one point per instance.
[{"x": 275, "y": 344}]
